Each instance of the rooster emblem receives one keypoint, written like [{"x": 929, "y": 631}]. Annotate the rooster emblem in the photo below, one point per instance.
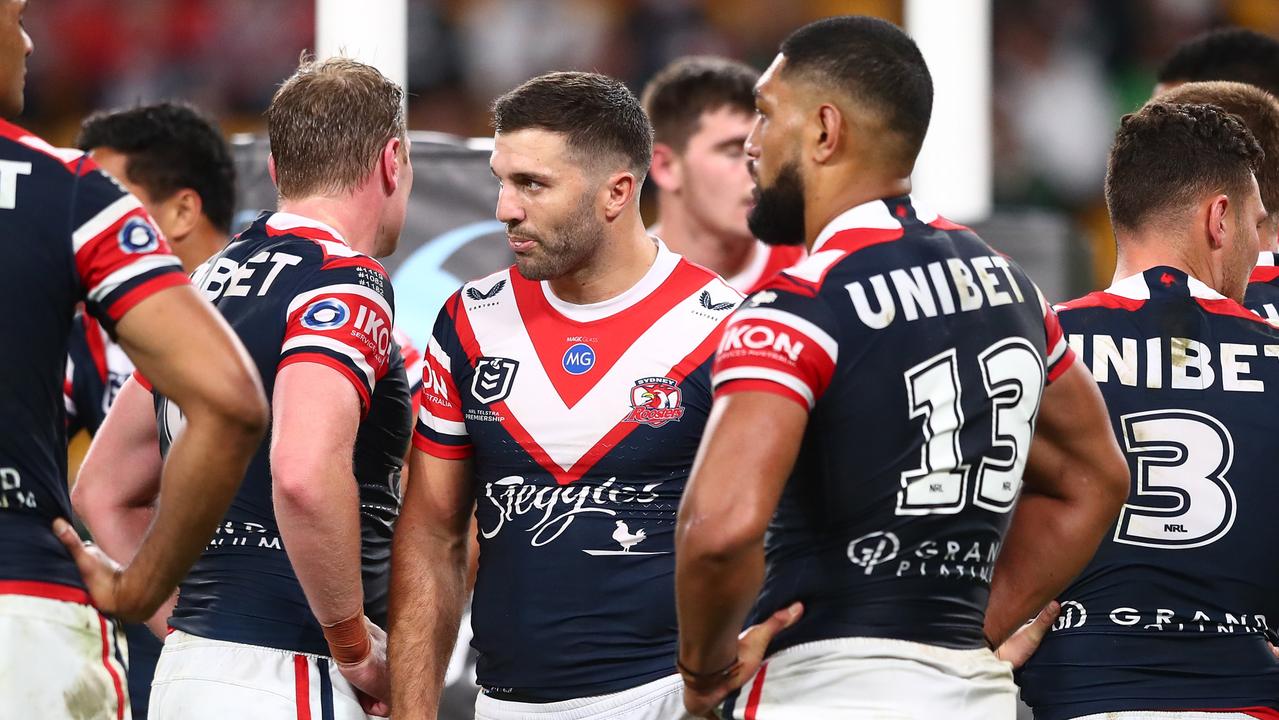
[{"x": 626, "y": 538}]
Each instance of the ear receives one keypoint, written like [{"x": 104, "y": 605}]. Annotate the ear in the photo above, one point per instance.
[
  {"x": 1218, "y": 212},
  {"x": 393, "y": 154},
  {"x": 184, "y": 210},
  {"x": 667, "y": 170},
  {"x": 270, "y": 168},
  {"x": 621, "y": 189},
  {"x": 830, "y": 130}
]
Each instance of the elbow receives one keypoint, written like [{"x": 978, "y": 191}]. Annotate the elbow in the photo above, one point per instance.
[
  {"x": 295, "y": 488},
  {"x": 86, "y": 501},
  {"x": 1113, "y": 483},
  {"x": 702, "y": 540},
  {"x": 238, "y": 407}
]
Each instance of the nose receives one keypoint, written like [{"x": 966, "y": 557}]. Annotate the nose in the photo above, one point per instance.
[
  {"x": 752, "y": 140},
  {"x": 509, "y": 210}
]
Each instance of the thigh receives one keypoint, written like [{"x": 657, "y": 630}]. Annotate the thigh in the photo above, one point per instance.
[{"x": 60, "y": 660}]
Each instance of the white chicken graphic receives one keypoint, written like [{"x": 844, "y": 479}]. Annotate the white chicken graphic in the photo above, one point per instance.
[{"x": 626, "y": 538}]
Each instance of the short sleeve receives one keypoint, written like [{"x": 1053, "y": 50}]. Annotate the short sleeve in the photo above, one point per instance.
[
  {"x": 342, "y": 317},
  {"x": 441, "y": 427},
  {"x": 780, "y": 343},
  {"x": 1058, "y": 354},
  {"x": 120, "y": 256}
]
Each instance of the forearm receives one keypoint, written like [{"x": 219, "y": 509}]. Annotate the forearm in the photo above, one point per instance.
[
  {"x": 201, "y": 475},
  {"x": 318, "y": 514},
  {"x": 119, "y": 529},
  {"x": 1049, "y": 542},
  {"x": 714, "y": 589},
  {"x": 429, "y": 587}
]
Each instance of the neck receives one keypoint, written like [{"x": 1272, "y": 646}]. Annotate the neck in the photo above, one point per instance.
[
  {"x": 201, "y": 244},
  {"x": 727, "y": 255},
  {"x": 824, "y": 202},
  {"x": 1145, "y": 248},
  {"x": 351, "y": 215},
  {"x": 624, "y": 256}
]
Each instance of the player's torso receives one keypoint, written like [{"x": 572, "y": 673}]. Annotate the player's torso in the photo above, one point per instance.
[
  {"x": 1178, "y": 600},
  {"x": 893, "y": 517},
  {"x": 584, "y": 432},
  {"x": 243, "y": 588},
  {"x": 97, "y": 368},
  {"x": 41, "y": 288}
]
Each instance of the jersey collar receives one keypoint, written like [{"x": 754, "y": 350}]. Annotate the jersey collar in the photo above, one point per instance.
[
  {"x": 1137, "y": 286},
  {"x": 288, "y": 222}
]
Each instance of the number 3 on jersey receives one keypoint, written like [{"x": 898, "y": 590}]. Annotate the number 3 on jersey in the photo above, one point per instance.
[
  {"x": 1183, "y": 498},
  {"x": 1013, "y": 378}
]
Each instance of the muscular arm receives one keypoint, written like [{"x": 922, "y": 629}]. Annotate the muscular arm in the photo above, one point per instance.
[
  {"x": 1076, "y": 480},
  {"x": 116, "y": 490},
  {"x": 429, "y": 579},
  {"x": 736, "y": 482},
  {"x": 190, "y": 355},
  {"x": 316, "y": 413}
]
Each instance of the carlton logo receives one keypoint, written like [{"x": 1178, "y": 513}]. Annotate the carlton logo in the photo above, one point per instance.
[{"x": 655, "y": 401}]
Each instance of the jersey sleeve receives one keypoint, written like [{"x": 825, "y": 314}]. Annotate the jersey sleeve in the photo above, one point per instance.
[
  {"x": 780, "y": 343},
  {"x": 441, "y": 427},
  {"x": 342, "y": 316},
  {"x": 120, "y": 256},
  {"x": 1058, "y": 355}
]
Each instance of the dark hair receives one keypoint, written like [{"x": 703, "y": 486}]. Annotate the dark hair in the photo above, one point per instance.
[
  {"x": 677, "y": 97},
  {"x": 1167, "y": 156},
  {"x": 597, "y": 114},
  {"x": 328, "y": 124},
  {"x": 1259, "y": 111},
  {"x": 168, "y": 147},
  {"x": 873, "y": 62},
  {"x": 1232, "y": 54}
]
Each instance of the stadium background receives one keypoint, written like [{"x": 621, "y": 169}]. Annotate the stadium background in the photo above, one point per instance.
[{"x": 1062, "y": 73}]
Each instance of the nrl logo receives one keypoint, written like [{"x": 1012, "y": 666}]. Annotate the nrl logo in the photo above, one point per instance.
[
  {"x": 655, "y": 401},
  {"x": 492, "y": 379}
]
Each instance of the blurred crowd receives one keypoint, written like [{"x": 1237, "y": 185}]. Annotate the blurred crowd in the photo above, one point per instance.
[{"x": 1065, "y": 70}]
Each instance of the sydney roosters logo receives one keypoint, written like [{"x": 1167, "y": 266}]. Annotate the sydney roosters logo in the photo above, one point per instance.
[{"x": 655, "y": 401}]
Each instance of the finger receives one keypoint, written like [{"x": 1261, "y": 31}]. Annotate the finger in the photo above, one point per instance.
[
  {"x": 1042, "y": 623},
  {"x": 70, "y": 539}
]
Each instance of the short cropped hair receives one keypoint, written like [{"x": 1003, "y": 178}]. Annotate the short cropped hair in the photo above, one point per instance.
[
  {"x": 597, "y": 114},
  {"x": 1233, "y": 54},
  {"x": 167, "y": 147},
  {"x": 677, "y": 97},
  {"x": 1167, "y": 156},
  {"x": 873, "y": 62},
  {"x": 1259, "y": 111},
  {"x": 328, "y": 124}
]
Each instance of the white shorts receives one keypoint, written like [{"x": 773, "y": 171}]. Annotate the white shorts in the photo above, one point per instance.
[
  {"x": 1167, "y": 715},
  {"x": 201, "y": 679},
  {"x": 877, "y": 679},
  {"x": 59, "y": 659},
  {"x": 662, "y": 699}
]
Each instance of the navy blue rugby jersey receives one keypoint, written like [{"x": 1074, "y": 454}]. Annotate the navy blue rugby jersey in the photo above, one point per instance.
[
  {"x": 921, "y": 356},
  {"x": 71, "y": 234},
  {"x": 1175, "y": 609},
  {"x": 1262, "y": 296},
  {"x": 582, "y": 422},
  {"x": 294, "y": 291},
  {"x": 96, "y": 370}
]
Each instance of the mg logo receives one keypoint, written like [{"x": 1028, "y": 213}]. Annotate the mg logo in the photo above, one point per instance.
[
  {"x": 492, "y": 379},
  {"x": 579, "y": 359}
]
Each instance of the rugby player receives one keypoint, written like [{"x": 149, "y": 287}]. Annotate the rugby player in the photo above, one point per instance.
[
  {"x": 876, "y": 408},
  {"x": 562, "y": 405}
]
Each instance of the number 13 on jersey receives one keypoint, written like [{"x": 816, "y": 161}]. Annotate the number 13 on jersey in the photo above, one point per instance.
[{"x": 1012, "y": 373}]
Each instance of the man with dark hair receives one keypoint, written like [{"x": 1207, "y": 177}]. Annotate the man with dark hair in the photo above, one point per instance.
[
  {"x": 1233, "y": 54},
  {"x": 74, "y": 235},
  {"x": 280, "y": 617},
  {"x": 900, "y": 373},
  {"x": 1170, "y": 619},
  {"x": 702, "y": 108},
  {"x": 177, "y": 164},
  {"x": 566, "y": 396}
]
